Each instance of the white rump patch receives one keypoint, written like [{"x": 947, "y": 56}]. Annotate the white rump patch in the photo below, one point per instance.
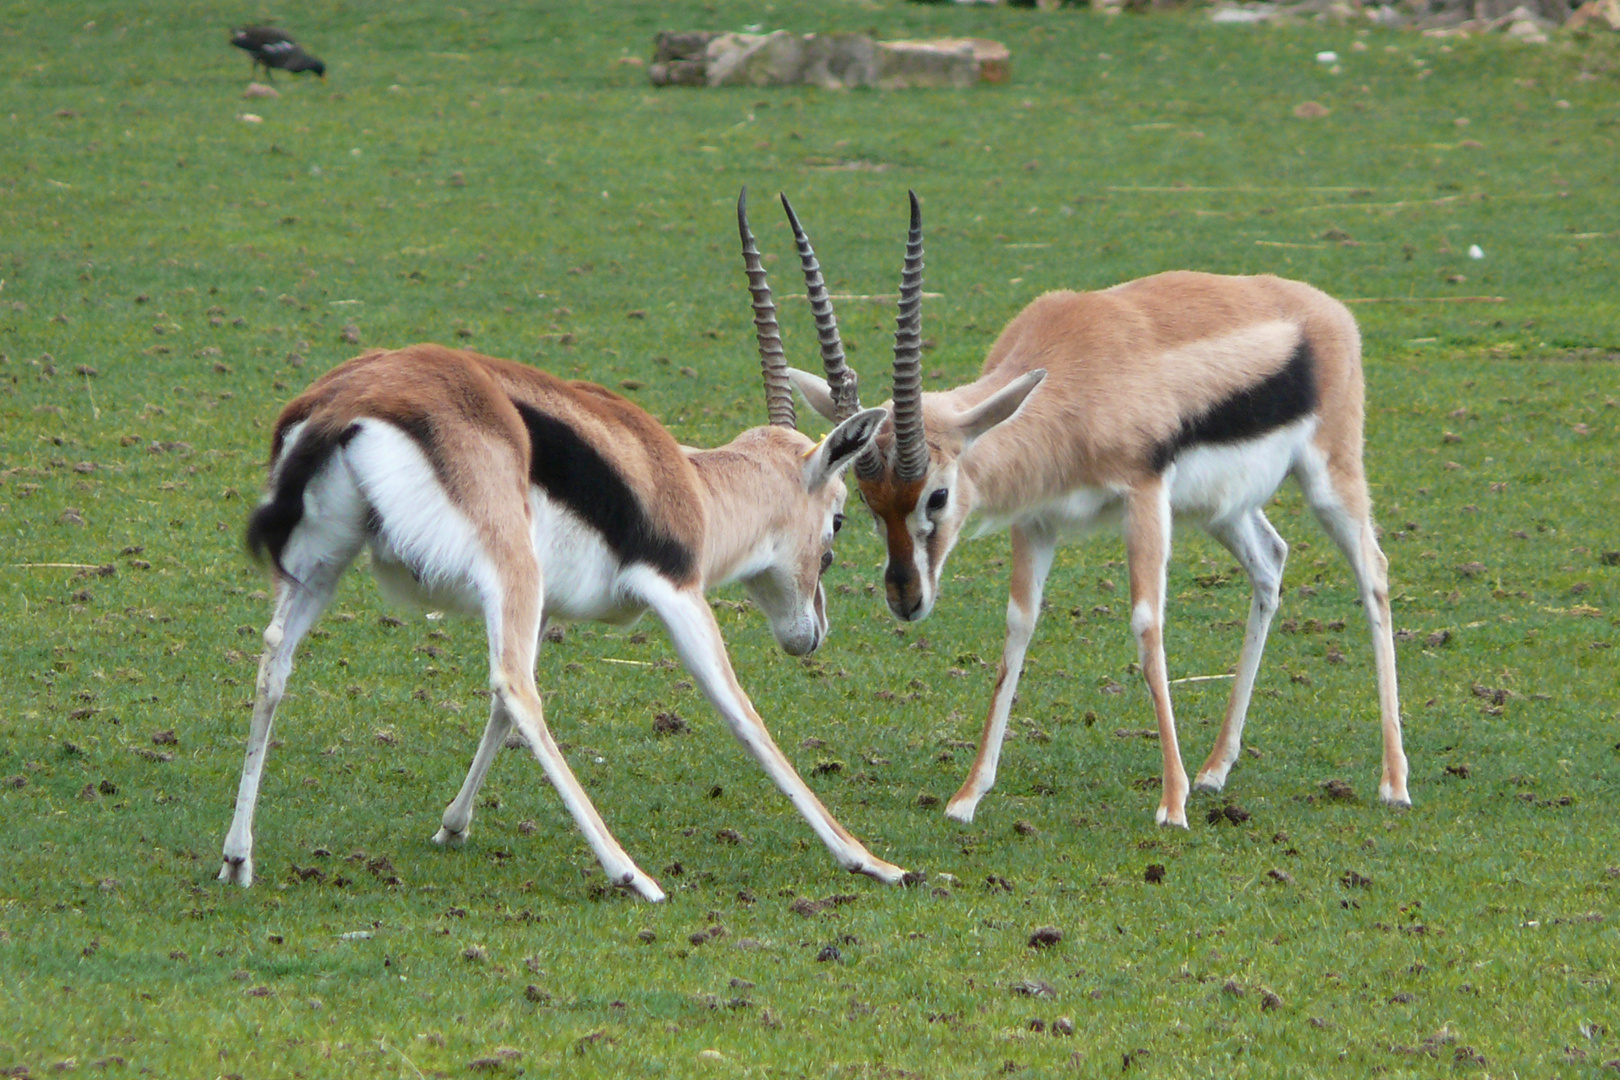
[{"x": 427, "y": 554}]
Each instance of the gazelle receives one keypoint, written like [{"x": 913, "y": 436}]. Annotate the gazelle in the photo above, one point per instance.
[
  {"x": 495, "y": 489},
  {"x": 1178, "y": 394}
]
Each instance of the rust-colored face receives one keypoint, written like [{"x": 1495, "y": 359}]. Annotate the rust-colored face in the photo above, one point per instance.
[{"x": 893, "y": 503}]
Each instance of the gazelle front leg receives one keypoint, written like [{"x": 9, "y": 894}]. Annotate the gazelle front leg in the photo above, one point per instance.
[
  {"x": 1147, "y": 550},
  {"x": 702, "y": 651},
  {"x": 1261, "y": 553},
  {"x": 1032, "y": 561}
]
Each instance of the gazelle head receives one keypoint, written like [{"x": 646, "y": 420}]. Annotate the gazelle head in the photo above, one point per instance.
[
  {"x": 911, "y": 476},
  {"x": 799, "y": 482}
]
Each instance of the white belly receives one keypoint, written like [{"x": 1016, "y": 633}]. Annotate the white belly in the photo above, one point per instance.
[
  {"x": 582, "y": 575},
  {"x": 1221, "y": 481},
  {"x": 1213, "y": 482}
]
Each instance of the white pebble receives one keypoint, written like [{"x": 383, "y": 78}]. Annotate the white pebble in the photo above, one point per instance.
[
  {"x": 1327, "y": 58},
  {"x": 1475, "y": 251}
]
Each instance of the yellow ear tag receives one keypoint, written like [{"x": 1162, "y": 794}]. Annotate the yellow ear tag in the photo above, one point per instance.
[{"x": 808, "y": 453}]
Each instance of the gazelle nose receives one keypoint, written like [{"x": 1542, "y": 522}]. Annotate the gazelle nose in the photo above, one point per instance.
[{"x": 905, "y": 608}]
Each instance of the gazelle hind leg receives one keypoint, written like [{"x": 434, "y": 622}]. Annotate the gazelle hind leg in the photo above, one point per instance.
[
  {"x": 458, "y": 815},
  {"x": 298, "y": 605},
  {"x": 1032, "y": 562},
  {"x": 512, "y": 620},
  {"x": 1262, "y": 553},
  {"x": 1340, "y": 504},
  {"x": 1147, "y": 550}
]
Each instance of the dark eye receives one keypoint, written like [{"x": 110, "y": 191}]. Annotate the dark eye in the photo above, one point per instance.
[
  {"x": 838, "y": 523},
  {"x": 936, "y": 500}
]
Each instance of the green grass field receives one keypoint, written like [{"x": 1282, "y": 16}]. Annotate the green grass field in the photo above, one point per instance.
[{"x": 497, "y": 177}]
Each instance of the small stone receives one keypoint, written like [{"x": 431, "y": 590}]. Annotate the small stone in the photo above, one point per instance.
[
  {"x": 1063, "y": 1025},
  {"x": 1154, "y": 874},
  {"x": 1035, "y": 988}
]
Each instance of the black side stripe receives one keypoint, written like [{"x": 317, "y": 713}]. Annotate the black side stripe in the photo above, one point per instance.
[
  {"x": 271, "y": 525},
  {"x": 1278, "y": 400},
  {"x": 570, "y": 470}
]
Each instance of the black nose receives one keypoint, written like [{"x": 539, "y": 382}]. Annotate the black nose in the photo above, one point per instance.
[{"x": 901, "y": 586}]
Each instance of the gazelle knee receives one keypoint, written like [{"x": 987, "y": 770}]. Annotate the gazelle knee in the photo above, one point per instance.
[{"x": 1144, "y": 620}]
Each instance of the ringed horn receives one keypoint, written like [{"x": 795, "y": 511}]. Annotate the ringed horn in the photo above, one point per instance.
[
  {"x": 841, "y": 381},
  {"x": 911, "y": 451},
  {"x": 778, "y": 390}
]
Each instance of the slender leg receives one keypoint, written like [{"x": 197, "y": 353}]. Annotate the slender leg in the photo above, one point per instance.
[
  {"x": 1032, "y": 561},
  {"x": 1261, "y": 553},
  {"x": 512, "y": 621},
  {"x": 458, "y": 815},
  {"x": 697, "y": 641},
  {"x": 297, "y": 608},
  {"x": 1335, "y": 499},
  {"x": 1147, "y": 551}
]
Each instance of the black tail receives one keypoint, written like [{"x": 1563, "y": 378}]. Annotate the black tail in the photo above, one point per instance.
[{"x": 271, "y": 525}]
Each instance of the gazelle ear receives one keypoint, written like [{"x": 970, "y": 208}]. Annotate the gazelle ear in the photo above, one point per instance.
[
  {"x": 842, "y": 446},
  {"x": 1000, "y": 406},
  {"x": 816, "y": 392}
]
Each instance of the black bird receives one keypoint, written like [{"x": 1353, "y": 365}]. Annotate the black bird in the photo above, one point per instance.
[{"x": 275, "y": 49}]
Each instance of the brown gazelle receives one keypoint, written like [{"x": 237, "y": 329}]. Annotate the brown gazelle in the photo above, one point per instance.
[
  {"x": 491, "y": 488},
  {"x": 1178, "y": 394}
]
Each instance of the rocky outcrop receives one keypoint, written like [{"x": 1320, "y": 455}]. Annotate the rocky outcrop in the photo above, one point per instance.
[{"x": 832, "y": 61}]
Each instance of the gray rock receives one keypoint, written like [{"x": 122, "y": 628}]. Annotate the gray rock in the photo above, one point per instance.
[
  {"x": 774, "y": 59},
  {"x": 840, "y": 61},
  {"x": 905, "y": 65}
]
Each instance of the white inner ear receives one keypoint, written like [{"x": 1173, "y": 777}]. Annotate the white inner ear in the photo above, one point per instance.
[
  {"x": 816, "y": 392},
  {"x": 822, "y": 466},
  {"x": 1000, "y": 406}
]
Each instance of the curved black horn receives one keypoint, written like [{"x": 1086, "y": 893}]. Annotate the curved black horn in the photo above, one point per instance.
[
  {"x": 840, "y": 379},
  {"x": 911, "y": 450},
  {"x": 778, "y": 390}
]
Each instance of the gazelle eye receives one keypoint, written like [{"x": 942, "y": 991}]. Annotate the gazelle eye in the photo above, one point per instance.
[
  {"x": 936, "y": 500},
  {"x": 838, "y": 523}
]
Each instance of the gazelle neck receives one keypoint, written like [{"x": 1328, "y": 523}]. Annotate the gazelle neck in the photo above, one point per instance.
[{"x": 742, "y": 485}]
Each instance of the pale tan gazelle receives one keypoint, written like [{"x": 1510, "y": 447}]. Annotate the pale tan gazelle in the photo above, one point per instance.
[
  {"x": 495, "y": 489},
  {"x": 1178, "y": 394}
]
